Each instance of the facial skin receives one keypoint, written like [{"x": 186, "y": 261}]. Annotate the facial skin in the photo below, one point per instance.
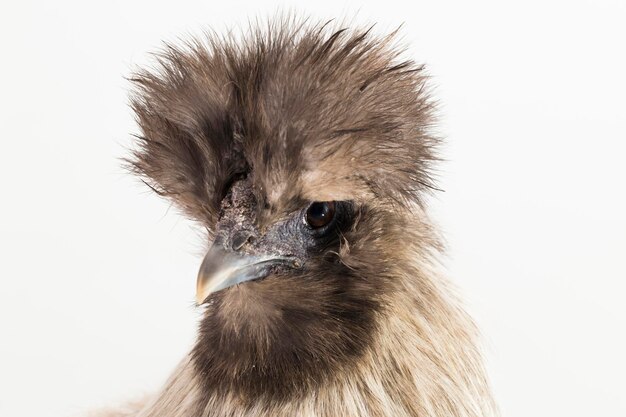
[{"x": 241, "y": 252}]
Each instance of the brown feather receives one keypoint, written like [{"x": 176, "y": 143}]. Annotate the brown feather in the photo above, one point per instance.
[{"x": 309, "y": 113}]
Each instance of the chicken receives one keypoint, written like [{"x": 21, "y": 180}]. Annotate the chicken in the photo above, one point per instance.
[{"x": 306, "y": 153}]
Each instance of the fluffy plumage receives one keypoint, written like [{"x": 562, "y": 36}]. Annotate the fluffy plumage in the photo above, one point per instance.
[{"x": 291, "y": 114}]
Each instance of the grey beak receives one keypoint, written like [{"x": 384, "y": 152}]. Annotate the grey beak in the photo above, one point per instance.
[{"x": 222, "y": 268}]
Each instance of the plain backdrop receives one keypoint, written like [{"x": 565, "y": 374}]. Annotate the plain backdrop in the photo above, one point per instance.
[{"x": 97, "y": 274}]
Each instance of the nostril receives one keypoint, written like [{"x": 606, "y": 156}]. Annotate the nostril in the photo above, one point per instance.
[{"x": 240, "y": 238}]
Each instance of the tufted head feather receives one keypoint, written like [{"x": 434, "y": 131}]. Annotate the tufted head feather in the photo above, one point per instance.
[{"x": 312, "y": 113}]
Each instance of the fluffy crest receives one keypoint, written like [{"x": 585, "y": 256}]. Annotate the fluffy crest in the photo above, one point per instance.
[{"x": 310, "y": 112}]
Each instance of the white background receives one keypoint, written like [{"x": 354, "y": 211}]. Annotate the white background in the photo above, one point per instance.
[{"x": 97, "y": 274}]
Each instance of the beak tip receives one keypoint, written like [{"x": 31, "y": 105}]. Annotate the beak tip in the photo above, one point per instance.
[{"x": 201, "y": 296}]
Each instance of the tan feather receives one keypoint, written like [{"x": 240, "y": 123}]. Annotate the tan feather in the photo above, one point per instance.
[{"x": 305, "y": 112}]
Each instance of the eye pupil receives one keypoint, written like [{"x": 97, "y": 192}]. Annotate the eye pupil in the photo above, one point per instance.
[{"x": 319, "y": 214}]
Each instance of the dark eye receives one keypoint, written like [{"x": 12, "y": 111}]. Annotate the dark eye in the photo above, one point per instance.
[{"x": 320, "y": 214}]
